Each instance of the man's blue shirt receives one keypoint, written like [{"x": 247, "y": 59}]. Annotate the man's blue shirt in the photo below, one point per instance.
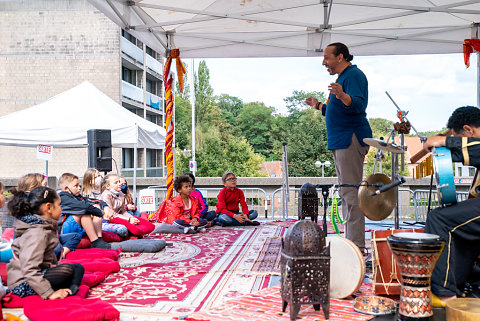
[{"x": 342, "y": 121}]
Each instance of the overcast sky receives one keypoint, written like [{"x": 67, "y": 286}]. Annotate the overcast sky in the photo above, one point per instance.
[{"x": 429, "y": 87}]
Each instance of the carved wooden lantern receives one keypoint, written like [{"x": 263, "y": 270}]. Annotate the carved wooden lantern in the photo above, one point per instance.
[
  {"x": 305, "y": 267},
  {"x": 308, "y": 202}
]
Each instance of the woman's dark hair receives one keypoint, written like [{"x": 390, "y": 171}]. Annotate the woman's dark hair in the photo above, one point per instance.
[
  {"x": 341, "y": 48},
  {"x": 22, "y": 204},
  {"x": 192, "y": 177},
  {"x": 179, "y": 180},
  {"x": 467, "y": 115}
]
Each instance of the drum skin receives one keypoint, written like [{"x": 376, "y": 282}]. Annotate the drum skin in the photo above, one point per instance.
[
  {"x": 386, "y": 277},
  {"x": 347, "y": 267},
  {"x": 463, "y": 309}
]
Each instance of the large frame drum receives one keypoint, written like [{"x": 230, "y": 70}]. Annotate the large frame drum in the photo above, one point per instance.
[{"x": 415, "y": 255}]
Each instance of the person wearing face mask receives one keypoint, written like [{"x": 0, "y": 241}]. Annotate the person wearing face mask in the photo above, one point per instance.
[
  {"x": 112, "y": 195},
  {"x": 92, "y": 181},
  {"x": 129, "y": 203}
]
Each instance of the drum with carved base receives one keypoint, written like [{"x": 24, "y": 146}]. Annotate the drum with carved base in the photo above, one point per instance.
[{"x": 415, "y": 255}]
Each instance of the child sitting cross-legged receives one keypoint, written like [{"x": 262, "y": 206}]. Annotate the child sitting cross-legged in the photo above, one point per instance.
[
  {"x": 79, "y": 215},
  {"x": 227, "y": 204},
  {"x": 34, "y": 268},
  {"x": 115, "y": 199},
  {"x": 182, "y": 211}
]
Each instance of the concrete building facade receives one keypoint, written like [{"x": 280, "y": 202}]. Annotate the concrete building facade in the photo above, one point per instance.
[{"x": 50, "y": 46}]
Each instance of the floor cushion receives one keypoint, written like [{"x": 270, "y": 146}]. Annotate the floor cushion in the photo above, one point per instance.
[
  {"x": 92, "y": 279},
  {"x": 141, "y": 245},
  {"x": 92, "y": 253},
  {"x": 14, "y": 301},
  {"x": 71, "y": 308},
  {"x": 107, "y": 266},
  {"x": 165, "y": 228}
]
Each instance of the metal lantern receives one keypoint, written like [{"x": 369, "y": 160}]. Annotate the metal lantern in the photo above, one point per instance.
[
  {"x": 308, "y": 202},
  {"x": 305, "y": 267}
]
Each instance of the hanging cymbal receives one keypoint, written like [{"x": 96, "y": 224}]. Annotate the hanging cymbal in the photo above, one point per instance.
[
  {"x": 383, "y": 145},
  {"x": 380, "y": 206}
]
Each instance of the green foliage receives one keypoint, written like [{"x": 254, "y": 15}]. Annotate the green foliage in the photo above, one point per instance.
[
  {"x": 430, "y": 133},
  {"x": 230, "y": 107},
  {"x": 204, "y": 101},
  {"x": 297, "y": 100},
  {"x": 307, "y": 143},
  {"x": 255, "y": 122},
  {"x": 386, "y": 164},
  {"x": 380, "y": 127},
  {"x": 183, "y": 122}
]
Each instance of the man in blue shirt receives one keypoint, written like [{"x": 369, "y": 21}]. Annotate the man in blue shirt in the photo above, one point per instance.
[{"x": 347, "y": 126}]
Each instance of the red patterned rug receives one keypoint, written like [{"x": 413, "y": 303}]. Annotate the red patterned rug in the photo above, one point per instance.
[
  {"x": 266, "y": 305},
  {"x": 197, "y": 272}
]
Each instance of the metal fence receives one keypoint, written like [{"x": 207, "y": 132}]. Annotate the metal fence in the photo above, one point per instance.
[
  {"x": 420, "y": 202},
  {"x": 256, "y": 198},
  {"x": 406, "y": 207}
]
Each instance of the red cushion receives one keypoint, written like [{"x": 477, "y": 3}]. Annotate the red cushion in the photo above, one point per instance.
[
  {"x": 92, "y": 254},
  {"x": 107, "y": 266},
  {"x": 7, "y": 234},
  {"x": 14, "y": 301},
  {"x": 84, "y": 243},
  {"x": 92, "y": 279},
  {"x": 71, "y": 309},
  {"x": 108, "y": 236},
  {"x": 3, "y": 272}
]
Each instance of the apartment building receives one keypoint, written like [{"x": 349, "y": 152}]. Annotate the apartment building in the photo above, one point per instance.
[{"x": 49, "y": 46}]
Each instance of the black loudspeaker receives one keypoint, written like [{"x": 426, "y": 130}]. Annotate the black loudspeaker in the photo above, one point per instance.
[{"x": 100, "y": 149}]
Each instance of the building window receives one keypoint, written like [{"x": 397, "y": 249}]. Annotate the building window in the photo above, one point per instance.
[
  {"x": 127, "y": 158},
  {"x": 128, "y": 36},
  {"x": 127, "y": 75},
  {"x": 471, "y": 171},
  {"x": 152, "y": 86},
  {"x": 459, "y": 172},
  {"x": 154, "y": 157},
  {"x": 151, "y": 52},
  {"x": 152, "y": 118}
]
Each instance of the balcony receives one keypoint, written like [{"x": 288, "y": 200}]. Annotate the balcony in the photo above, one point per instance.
[
  {"x": 153, "y": 101},
  {"x": 151, "y": 172},
  {"x": 131, "y": 50},
  {"x": 132, "y": 92},
  {"x": 135, "y": 93},
  {"x": 154, "y": 65}
]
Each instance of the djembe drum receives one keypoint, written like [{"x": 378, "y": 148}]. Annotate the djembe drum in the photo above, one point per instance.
[{"x": 416, "y": 255}]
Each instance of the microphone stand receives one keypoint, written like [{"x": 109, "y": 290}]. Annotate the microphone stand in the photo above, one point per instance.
[{"x": 325, "y": 191}]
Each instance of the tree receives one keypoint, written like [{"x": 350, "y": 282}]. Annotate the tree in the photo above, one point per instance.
[
  {"x": 204, "y": 102},
  {"x": 230, "y": 107},
  {"x": 307, "y": 143},
  {"x": 296, "y": 102},
  {"x": 255, "y": 122},
  {"x": 380, "y": 127}
]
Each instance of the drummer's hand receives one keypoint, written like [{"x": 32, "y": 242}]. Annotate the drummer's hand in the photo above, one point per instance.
[
  {"x": 311, "y": 101},
  {"x": 434, "y": 141}
]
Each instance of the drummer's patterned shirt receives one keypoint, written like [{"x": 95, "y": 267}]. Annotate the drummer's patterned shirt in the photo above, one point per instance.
[{"x": 341, "y": 120}]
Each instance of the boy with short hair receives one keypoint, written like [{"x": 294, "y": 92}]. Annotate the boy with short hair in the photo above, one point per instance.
[
  {"x": 78, "y": 214},
  {"x": 227, "y": 204}
]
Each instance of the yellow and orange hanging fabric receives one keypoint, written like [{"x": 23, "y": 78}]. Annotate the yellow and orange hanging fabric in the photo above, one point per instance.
[
  {"x": 169, "y": 125},
  {"x": 468, "y": 46}
]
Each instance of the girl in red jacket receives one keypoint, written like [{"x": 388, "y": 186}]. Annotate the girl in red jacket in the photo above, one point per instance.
[{"x": 182, "y": 210}]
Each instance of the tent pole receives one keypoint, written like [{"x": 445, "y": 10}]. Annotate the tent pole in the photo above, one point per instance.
[
  {"x": 135, "y": 164},
  {"x": 478, "y": 79},
  {"x": 193, "y": 115}
]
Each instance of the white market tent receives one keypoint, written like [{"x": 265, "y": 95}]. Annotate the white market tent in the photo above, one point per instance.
[
  {"x": 71, "y": 114},
  {"x": 63, "y": 121},
  {"x": 296, "y": 28}
]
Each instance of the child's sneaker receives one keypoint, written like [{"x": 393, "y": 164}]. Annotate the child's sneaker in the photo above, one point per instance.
[{"x": 202, "y": 230}]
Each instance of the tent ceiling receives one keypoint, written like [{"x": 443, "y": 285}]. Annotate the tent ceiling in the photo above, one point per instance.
[{"x": 300, "y": 28}]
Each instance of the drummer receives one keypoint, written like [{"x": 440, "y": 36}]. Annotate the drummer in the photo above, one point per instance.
[{"x": 457, "y": 225}]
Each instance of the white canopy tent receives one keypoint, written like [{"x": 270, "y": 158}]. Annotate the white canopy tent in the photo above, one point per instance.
[
  {"x": 71, "y": 114},
  {"x": 300, "y": 28}
]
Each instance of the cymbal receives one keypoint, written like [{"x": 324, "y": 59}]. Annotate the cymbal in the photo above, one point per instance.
[
  {"x": 380, "y": 206},
  {"x": 383, "y": 145}
]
